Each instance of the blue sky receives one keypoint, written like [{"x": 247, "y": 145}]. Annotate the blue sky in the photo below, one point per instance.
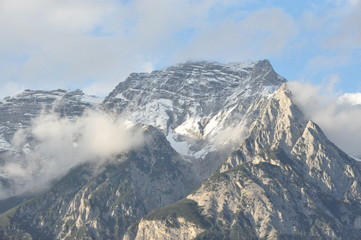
[{"x": 94, "y": 44}]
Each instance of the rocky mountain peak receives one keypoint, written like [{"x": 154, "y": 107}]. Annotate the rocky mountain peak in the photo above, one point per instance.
[
  {"x": 196, "y": 81},
  {"x": 195, "y": 101}
]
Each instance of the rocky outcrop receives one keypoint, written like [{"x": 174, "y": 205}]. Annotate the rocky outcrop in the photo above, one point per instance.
[{"x": 179, "y": 229}]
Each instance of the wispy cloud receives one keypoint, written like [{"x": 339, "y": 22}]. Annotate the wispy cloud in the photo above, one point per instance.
[
  {"x": 346, "y": 34},
  {"x": 61, "y": 143},
  {"x": 255, "y": 36},
  {"x": 57, "y": 44}
]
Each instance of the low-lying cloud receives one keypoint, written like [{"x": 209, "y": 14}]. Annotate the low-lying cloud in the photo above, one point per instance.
[
  {"x": 338, "y": 115},
  {"x": 47, "y": 150}
]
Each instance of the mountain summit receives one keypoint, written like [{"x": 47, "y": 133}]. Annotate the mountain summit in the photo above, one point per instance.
[
  {"x": 185, "y": 99},
  {"x": 201, "y": 107}
]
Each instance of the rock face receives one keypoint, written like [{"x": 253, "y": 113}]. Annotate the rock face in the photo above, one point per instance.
[
  {"x": 285, "y": 181},
  {"x": 226, "y": 155}
]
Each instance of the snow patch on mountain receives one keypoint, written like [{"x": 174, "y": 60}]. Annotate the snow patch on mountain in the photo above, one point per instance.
[
  {"x": 181, "y": 146},
  {"x": 154, "y": 113}
]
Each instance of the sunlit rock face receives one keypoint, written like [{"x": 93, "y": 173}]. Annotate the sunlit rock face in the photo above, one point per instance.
[{"x": 285, "y": 181}]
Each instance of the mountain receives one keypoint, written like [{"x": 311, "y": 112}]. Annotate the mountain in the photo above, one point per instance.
[
  {"x": 201, "y": 107},
  {"x": 226, "y": 155},
  {"x": 285, "y": 181},
  {"x": 195, "y": 100}
]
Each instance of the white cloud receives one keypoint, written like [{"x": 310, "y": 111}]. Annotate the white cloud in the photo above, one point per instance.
[
  {"x": 62, "y": 143},
  {"x": 350, "y": 98},
  {"x": 338, "y": 116},
  {"x": 55, "y": 44}
]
